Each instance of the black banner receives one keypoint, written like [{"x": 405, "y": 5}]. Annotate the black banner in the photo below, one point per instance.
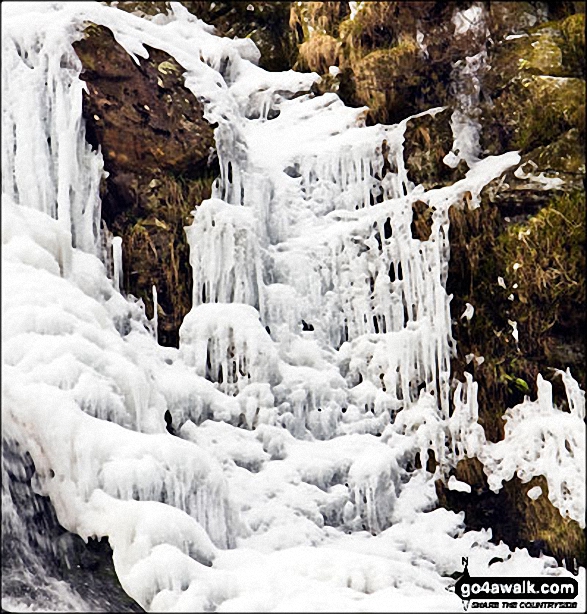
[
  {"x": 517, "y": 588},
  {"x": 467, "y": 587}
]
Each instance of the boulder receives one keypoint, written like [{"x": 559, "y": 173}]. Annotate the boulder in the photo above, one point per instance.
[{"x": 157, "y": 150}]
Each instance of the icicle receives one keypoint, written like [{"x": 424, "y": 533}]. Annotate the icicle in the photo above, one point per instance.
[
  {"x": 316, "y": 313},
  {"x": 575, "y": 396},
  {"x": 42, "y": 96},
  {"x": 155, "y": 320},
  {"x": 117, "y": 261}
]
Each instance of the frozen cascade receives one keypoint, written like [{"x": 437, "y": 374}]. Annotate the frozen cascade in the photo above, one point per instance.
[
  {"x": 46, "y": 136},
  {"x": 467, "y": 78},
  {"x": 313, "y": 368}
]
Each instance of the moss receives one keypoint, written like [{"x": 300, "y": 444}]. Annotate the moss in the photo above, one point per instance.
[
  {"x": 428, "y": 139},
  {"x": 544, "y": 265},
  {"x": 543, "y": 524},
  {"x": 374, "y": 26},
  {"x": 537, "y": 85},
  {"x": 387, "y": 78},
  {"x": 307, "y": 18},
  {"x": 564, "y": 155},
  {"x": 474, "y": 269},
  {"x": 555, "y": 48},
  {"x": 155, "y": 247},
  {"x": 573, "y": 44},
  {"x": 541, "y": 54},
  {"x": 318, "y": 53},
  {"x": 533, "y": 111},
  {"x": 552, "y": 106},
  {"x": 545, "y": 257}
]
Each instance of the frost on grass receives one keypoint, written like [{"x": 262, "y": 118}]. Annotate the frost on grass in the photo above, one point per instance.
[{"x": 313, "y": 370}]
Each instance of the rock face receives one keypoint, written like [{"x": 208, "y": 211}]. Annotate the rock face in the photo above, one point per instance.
[
  {"x": 526, "y": 90},
  {"x": 156, "y": 147}
]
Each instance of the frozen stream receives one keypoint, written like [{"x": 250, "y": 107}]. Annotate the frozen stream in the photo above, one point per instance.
[{"x": 313, "y": 367}]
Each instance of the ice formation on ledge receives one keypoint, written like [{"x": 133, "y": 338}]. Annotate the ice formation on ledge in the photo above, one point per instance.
[
  {"x": 314, "y": 367},
  {"x": 541, "y": 439}
]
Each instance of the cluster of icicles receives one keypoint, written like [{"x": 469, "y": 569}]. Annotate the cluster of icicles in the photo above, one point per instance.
[{"x": 317, "y": 318}]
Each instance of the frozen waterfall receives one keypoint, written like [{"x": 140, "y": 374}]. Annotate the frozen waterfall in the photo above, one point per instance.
[{"x": 313, "y": 367}]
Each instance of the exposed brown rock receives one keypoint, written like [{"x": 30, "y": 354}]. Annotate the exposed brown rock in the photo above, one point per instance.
[
  {"x": 143, "y": 117},
  {"x": 156, "y": 146}
]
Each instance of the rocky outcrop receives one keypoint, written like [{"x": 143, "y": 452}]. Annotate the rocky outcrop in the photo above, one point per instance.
[{"x": 158, "y": 151}]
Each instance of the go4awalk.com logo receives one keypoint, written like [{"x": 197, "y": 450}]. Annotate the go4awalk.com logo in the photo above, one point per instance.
[{"x": 516, "y": 593}]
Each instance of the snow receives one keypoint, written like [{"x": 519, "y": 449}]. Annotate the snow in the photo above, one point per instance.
[
  {"x": 155, "y": 311},
  {"x": 313, "y": 368},
  {"x": 454, "y": 484},
  {"x": 469, "y": 311},
  {"x": 514, "y": 325}
]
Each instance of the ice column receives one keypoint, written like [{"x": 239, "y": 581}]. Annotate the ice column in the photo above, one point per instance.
[
  {"x": 117, "y": 261},
  {"x": 44, "y": 134}
]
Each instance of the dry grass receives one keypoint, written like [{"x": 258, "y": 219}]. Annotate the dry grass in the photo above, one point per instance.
[
  {"x": 545, "y": 257},
  {"x": 318, "y": 53}
]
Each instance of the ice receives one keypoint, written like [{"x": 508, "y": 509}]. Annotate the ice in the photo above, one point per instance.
[
  {"x": 226, "y": 343},
  {"x": 467, "y": 81},
  {"x": 224, "y": 255},
  {"x": 515, "y": 332},
  {"x": 313, "y": 374},
  {"x": 469, "y": 311},
  {"x": 575, "y": 395},
  {"x": 534, "y": 493},
  {"x": 117, "y": 262},
  {"x": 454, "y": 484},
  {"x": 155, "y": 311},
  {"x": 45, "y": 133},
  {"x": 541, "y": 439}
]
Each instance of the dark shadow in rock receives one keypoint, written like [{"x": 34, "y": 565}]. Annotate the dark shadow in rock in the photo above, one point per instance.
[{"x": 37, "y": 552}]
